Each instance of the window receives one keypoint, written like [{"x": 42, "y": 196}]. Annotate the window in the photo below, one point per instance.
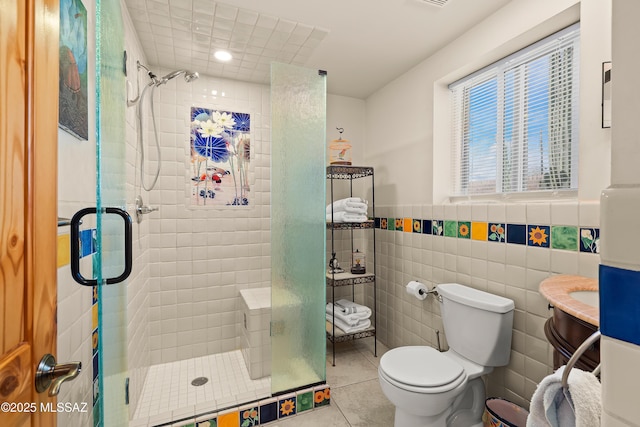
[{"x": 515, "y": 122}]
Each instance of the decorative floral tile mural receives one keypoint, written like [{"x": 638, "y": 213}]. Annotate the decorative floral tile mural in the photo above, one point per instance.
[{"x": 220, "y": 157}]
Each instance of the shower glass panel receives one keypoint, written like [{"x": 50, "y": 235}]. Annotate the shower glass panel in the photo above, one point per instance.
[
  {"x": 298, "y": 193},
  {"x": 110, "y": 141}
]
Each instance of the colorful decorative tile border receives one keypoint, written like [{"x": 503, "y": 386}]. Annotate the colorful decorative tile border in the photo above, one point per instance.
[
  {"x": 497, "y": 232},
  {"x": 95, "y": 361},
  {"x": 563, "y": 237},
  {"x": 287, "y": 406},
  {"x": 590, "y": 240},
  {"x": 437, "y": 227},
  {"x": 265, "y": 411}
]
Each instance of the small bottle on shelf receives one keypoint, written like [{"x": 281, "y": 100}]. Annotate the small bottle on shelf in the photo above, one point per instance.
[{"x": 358, "y": 262}]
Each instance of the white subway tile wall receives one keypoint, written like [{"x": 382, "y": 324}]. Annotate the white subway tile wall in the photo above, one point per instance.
[
  {"x": 138, "y": 297},
  {"x": 200, "y": 257}
]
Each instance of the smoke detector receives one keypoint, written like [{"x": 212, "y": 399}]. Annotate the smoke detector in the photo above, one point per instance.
[{"x": 439, "y": 3}]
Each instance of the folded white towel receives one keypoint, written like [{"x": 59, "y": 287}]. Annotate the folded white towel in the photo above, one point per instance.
[
  {"x": 579, "y": 405},
  {"x": 346, "y": 217},
  {"x": 353, "y": 307},
  {"x": 361, "y": 326},
  {"x": 359, "y": 208},
  {"x": 350, "y": 204},
  {"x": 352, "y": 318}
]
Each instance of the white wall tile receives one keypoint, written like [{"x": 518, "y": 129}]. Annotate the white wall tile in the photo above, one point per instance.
[
  {"x": 539, "y": 213},
  {"x": 516, "y": 255},
  {"x": 618, "y": 395},
  {"x": 516, "y": 213},
  {"x": 538, "y": 258},
  {"x": 564, "y": 213}
]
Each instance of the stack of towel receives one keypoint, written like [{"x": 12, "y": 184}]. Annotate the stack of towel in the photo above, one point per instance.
[
  {"x": 349, "y": 316},
  {"x": 554, "y": 406},
  {"x": 351, "y": 209}
]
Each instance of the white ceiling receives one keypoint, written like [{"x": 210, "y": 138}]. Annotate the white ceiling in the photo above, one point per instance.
[{"x": 362, "y": 44}]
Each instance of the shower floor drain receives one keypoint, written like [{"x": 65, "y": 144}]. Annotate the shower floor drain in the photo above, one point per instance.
[{"x": 199, "y": 381}]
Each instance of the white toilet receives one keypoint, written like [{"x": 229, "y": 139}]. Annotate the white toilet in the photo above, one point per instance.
[{"x": 433, "y": 389}]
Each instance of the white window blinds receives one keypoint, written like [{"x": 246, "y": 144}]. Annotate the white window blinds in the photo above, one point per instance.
[{"x": 515, "y": 122}]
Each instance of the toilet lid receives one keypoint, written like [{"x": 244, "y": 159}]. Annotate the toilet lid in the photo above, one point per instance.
[{"x": 420, "y": 366}]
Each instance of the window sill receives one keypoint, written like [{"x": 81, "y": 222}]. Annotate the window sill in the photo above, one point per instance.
[{"x": 525, "y": 197}]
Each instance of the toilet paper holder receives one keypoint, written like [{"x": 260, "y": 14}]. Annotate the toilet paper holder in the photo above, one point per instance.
[{"x": 433, "y": 291}]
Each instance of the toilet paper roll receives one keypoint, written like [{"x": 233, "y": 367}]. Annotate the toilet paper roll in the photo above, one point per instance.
[{"x": 414, "y": 288}]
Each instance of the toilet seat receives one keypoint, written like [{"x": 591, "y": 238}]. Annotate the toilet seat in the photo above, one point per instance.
[{"x": 421, "y": 369}]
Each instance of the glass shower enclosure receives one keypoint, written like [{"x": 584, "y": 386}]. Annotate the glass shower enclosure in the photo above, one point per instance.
[
  {"x": 298, "y": 196},
  {"x": 298, "y": 150}
]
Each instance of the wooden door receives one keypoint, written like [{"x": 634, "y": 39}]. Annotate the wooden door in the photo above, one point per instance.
[{"x": 28, "y": 204}]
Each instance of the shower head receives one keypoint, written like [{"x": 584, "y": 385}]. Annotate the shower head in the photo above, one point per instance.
[{"x": 189, "y": 76}]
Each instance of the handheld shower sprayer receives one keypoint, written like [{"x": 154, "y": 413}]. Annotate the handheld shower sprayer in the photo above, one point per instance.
[{"x": 189, "y": 76}]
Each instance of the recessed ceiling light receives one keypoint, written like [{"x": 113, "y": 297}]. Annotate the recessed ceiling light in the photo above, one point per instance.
[{"x": 222, "y": 55}]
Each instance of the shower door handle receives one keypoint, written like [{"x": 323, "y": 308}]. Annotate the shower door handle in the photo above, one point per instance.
[{"x": 75, "y": 246}]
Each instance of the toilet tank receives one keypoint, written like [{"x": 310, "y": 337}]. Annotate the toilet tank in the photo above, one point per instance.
[{"x": 478, "y": 325}]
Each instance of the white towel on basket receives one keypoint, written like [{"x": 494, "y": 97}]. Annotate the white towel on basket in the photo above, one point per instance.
[
  {"x": 346, "y": 217},
  {"x": 350, "y": 204},
  {"x": 365, "y": 324},
  {"x": 351, "y": 318},
  {"x": 579, "y": 405}
]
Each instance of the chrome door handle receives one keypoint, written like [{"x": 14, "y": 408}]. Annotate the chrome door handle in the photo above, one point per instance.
[{"x": 50, "y": 375}]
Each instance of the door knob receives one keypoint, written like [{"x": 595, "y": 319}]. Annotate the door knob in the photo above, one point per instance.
[{"x": 50, "y": 375}]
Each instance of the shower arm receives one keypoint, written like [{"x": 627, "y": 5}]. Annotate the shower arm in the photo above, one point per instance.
[
  {"x": 153, "y": 77},
  {"x": 154, "y": 81}
]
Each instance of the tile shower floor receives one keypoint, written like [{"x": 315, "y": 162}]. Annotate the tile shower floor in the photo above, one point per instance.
[
  {"x": 356, "y": 397},
  {"x": 168, "y": 395}
]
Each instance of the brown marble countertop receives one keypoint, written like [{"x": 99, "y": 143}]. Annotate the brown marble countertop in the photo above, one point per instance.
[{"x": 556, "y": 290}]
